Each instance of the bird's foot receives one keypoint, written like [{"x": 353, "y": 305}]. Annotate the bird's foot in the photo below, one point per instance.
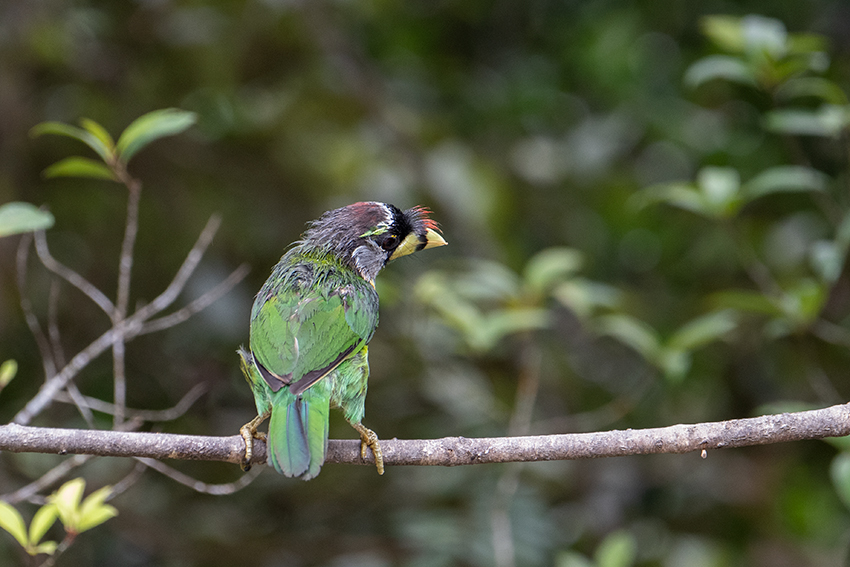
[
  {"x": 249, "y": 433},
  {"x": 369, "y": 438}
]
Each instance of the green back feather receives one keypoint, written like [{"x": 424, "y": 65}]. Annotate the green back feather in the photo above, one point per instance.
[{"x": 309, "y": 319}]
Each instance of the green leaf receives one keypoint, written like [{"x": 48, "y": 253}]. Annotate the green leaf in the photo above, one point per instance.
[
  {"x": 584, "y": 297},
  {"x": 682, "y": 195},
  {"x": 504, "y": 322},
  {"x": 96, "y": 516},
  {"x": 61, "y": 129},
  {"x": 723, "y": 67},
  {"x": 152, "y": 126},
  {"x": 816, "y": 87},
  {"x": 632, "y": 332},
  {"x": 721, "y": 187},
  {"x": 827, "y": 260},
  {"x": 703, "y": 330},
  {"x": 100, "y": 133},
  {"x": 803, "y": 302},
  {"x": 839, "y": 472},
  {"x": 673, "y": 363},
  {"x": 22, "y": 217},
  {"x": 726, "y": 32},
  {"x": 572, "y": 559},
  {"x": 785, "y": 178},
  {"x": 79, "y": 167},
  {"x": 764, "y": 36},
  {"x": 7, "y": 371},
  {"x": 12, "y": 522},
  {"x": 48, "y": 548},
  {"x": 41, "y": 522},
  {"x": 93, "y": 511},
  {"x": 551, "y": 266},
  {"x": 748, "y": 301},
  {"x": 619, "y": 549},
  {"x": 829, "y": 121}
]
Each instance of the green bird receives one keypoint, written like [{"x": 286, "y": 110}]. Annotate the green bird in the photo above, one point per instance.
[{"x": 311, "y": 325}]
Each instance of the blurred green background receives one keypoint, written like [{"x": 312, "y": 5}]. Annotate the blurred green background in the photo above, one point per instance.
[{"x": 623, "y": 253}]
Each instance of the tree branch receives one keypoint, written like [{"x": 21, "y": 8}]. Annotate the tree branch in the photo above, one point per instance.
[{"x": 450, "y": 451}]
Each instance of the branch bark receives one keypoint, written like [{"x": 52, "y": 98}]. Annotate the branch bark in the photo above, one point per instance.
[{"x": 450, "y": 451}]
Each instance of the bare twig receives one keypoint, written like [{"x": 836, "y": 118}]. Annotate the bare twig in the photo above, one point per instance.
[
  {"x": 122, "y": 331},
  {"x": 167, "y": 297},
  {"x": 833, "y": 421},
  {"x": 26, "y": 306},
  {"x": 48, "y": 479},
  {"x": 70, "y": 275},
  {"x": 169, "y": 414},
  {"x": 197, "y": 305},
  {"x": 197, "y": 485}
]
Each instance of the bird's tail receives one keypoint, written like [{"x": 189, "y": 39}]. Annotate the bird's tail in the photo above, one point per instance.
[{"x": 298, "y": 432}]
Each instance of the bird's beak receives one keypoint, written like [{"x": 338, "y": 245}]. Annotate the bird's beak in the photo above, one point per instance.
[{"x": 414, "y": 243}]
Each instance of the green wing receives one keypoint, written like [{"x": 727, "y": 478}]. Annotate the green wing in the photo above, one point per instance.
[{"x": 303, "y": 327}]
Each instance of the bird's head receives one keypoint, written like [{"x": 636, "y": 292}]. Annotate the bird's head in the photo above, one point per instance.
[{"x": 367, "y": 235}]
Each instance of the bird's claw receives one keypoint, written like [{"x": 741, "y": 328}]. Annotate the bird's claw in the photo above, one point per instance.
[
  {"x": 249, "y": 433},
  {"x": 369, "y": 438}
]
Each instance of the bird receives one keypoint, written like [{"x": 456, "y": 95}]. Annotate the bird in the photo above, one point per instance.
[{"x": 311, "y": 323}]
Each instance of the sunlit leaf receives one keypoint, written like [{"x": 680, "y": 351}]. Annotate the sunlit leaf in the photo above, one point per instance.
[
  {"x": 79, "y": 167},
  {"x": 47, "y": 547},
  {"x": 41, "y": 522},
  {"x": 152, "y": 126},
  {"x": 61, "y": 129},
  {"x": 551, "y": 266},
  {"x": 619, "y": 549},
  {"x": 703, "y": 330},
  {"x": 96, "y": 516},
  {"x": 723, "y": 67},
  {"x": 504, "y": 322},
  {"x": 23, "y": 217},
  {"x": 7, "y": 372},
  {"x": 785, "y": 178},
  {"x": 67, "y": 500},
  {"x": 12, "y": 522},
  {"x": 93, "y": 511}
]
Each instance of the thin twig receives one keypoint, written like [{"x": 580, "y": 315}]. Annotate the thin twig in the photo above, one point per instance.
[
  {"x": 198, "y": 304},
  {"x": 126, "y": 330},
  {"x": 26, "y": 306},
  {"x": 169, "y": 414},
  {"x": 48, "y": 479},
  {"x": 167, "y": 297},
  {"x": 197, "y": 485},
  {"x": 70, "y": 275}
]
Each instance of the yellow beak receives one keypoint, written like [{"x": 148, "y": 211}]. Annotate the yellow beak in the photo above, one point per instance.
[{"x": 413, "y": 243}]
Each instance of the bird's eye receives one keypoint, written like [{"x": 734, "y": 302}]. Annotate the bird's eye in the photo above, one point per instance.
[{"x": 390, "y": 242}]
